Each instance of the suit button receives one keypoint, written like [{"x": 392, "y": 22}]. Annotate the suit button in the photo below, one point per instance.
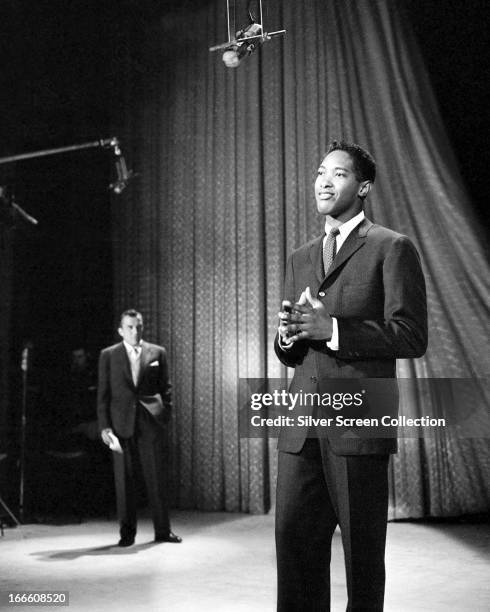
[
  {"x": 313, "y": 379},
  {"x": 321, "y": 294}
]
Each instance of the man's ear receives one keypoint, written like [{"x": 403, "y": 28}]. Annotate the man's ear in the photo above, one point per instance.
[
  {"x": 364, "y": 189},
  {"x": 119, "y": 331}
]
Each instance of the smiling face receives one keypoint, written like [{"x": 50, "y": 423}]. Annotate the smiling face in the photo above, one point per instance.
[{"x": 338, "y": 191}]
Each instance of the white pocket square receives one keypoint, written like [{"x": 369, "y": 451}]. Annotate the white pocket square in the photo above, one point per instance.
[{"x": 154, "y": 363}]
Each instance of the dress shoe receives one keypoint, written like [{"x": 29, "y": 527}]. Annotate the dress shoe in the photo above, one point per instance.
[
  {"x": 168, "y": 537},
  {"x": 123, "y": 542}
]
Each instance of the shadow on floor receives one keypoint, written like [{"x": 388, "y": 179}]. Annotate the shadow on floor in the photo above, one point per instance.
[{"x": 76, "y": 553}]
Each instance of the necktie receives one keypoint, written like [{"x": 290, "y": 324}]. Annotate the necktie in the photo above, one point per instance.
[
  {"x": 330, "y": 248},
  {"x": 135, "y": 364}
]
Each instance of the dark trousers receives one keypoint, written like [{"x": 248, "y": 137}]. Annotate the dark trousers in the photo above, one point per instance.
[
  {"x": 316, "y": 491},
  {"x": 147, "y": 449}
]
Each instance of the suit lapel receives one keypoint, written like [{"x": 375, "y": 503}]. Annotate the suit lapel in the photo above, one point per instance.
[
  {"x": 316, "y": 257},
  {"x": 355, "y": 240},
  {"x": 122, "y": 361},
  {"x": 145, "y": 359}
]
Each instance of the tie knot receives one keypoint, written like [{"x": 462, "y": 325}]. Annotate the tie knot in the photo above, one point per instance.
[{"x": 334, "y": 232}]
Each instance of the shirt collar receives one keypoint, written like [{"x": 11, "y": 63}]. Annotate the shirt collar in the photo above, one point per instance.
[
  {"x": 346, "y": 228},
  {"x": 130, "y": 349}
]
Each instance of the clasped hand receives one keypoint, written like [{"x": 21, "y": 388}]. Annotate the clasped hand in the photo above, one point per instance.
[
  {"x": 105, "y": 435},
  {"x": 308, "y": 319}
]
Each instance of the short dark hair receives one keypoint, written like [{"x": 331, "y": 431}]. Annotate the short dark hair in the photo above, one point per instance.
[
  {"x": 131, "y": 312},
  {"x": 363, "y": 161}
]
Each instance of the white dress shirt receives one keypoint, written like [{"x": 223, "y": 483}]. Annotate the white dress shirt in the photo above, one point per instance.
[
  {"x": 134, "y": 354},
  {"x": 344, "y": 230}
]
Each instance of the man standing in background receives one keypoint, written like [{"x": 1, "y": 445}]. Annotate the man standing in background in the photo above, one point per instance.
[{"x": 134, "y": 407}]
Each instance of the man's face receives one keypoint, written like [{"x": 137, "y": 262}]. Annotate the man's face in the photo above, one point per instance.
[
  {"x": 337, "y": 188},
  {"x": 78, "y": 359},
  {"x": 131, "y": 330}
]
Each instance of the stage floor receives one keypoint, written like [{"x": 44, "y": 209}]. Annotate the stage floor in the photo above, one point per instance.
[{"x": 227, "y": 564}]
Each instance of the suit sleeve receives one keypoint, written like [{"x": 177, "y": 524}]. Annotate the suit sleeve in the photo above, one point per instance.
[
  {"x": 293, "y": 356},
  {"x": 403, "y": 332},
  {"x": 104, "y": 392},
  {"x": 165, "y": 384}
]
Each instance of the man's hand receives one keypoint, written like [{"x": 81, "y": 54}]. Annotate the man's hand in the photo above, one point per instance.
[
  {"x": 286, "y": 328},
  {"x": 309, "y": 320},
  {"x": 105, "y": 435}
]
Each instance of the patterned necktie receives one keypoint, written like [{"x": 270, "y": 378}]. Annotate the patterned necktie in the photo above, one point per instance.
[
  {"x": 330, "y": 249},
  {"x": 135, "y": 364}
]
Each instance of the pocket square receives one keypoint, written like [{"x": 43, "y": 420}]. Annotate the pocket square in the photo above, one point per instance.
[{"x": 154, "y": 363}]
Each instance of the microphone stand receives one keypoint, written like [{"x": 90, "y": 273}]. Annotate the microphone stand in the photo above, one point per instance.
[{"x": 24, "y": 366}]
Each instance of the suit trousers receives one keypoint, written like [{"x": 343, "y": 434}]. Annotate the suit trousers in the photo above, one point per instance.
[
  {"x": 145, "y": 449},
  {"x": 316, "y": 491}
]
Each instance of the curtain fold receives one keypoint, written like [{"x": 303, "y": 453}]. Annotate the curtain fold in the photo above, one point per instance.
[{"x": 228, "y": 160}]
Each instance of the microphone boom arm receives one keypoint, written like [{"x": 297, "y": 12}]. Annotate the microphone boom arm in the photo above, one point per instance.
[
  {"x": 123, "y": 174},
  {"x": 264, "y": 36},
  {"x": 106, "y": 143}
]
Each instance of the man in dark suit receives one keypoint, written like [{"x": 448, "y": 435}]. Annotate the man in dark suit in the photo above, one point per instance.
[
  {"x": 134, "y": 406},
  {"x": 354, "y": 302}
]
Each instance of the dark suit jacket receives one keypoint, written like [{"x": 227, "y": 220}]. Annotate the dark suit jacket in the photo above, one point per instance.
[
  {"x": 376, "y": 290},
  {"x": 117, "y": 396}
]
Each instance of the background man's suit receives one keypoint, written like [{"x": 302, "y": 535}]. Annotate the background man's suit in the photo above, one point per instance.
[
  {"x": 375, "y": 288},
  {"x": 138, "y": 415}
]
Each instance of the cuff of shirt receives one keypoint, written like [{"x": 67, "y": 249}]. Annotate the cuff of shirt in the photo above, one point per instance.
[{"x": 333, "y": 343}]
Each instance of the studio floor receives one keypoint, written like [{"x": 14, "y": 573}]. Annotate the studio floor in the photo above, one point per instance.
[{"x": 226, "y": 563}]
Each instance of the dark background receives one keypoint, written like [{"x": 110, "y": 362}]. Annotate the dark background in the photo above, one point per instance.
[{"x": 59, "y": 65}]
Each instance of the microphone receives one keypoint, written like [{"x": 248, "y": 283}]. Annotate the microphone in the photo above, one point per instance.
[
  {"x": 234, "y": 55},
  {"x": 26, "y": 357},
  {"x": 123, "y": 174}
]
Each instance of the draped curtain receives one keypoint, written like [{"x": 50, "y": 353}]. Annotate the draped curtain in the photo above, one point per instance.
[{"x": 227, "y": 161}]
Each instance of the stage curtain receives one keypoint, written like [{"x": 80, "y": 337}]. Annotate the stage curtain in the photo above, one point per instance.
[{"x": 227, "y": 160}]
